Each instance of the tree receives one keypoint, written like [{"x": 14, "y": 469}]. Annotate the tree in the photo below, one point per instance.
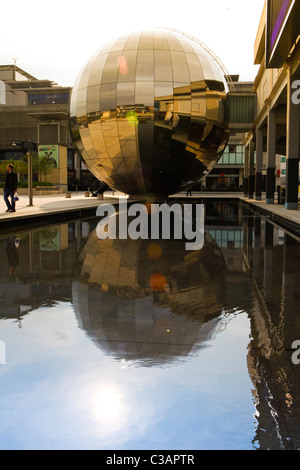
[
  {"x": 20, "y": 166},
  {"x": 45, "y": 166}
]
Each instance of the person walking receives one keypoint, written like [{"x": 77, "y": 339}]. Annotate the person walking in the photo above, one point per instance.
[{"x": 10, "y": 188}]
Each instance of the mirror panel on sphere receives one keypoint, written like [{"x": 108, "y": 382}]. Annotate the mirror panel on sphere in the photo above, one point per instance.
[{"x": 159, "y": 102}]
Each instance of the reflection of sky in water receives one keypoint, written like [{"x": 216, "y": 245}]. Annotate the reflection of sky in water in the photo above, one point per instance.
[
  {"x": 60, "y": 391},
  {"x": 97, "y": 359}
]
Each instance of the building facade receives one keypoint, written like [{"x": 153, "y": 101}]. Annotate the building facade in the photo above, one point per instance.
[
  {"x": 36, "y": 112},
  {"x": 228, "y": 174},
  {"x": 276, "y": 129}
]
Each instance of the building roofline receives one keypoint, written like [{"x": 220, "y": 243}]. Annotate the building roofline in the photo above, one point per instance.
[{"x": 15, "y": 68}]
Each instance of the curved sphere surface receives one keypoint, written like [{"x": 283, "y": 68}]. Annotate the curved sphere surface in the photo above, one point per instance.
[{"x": 148, "y": 113}]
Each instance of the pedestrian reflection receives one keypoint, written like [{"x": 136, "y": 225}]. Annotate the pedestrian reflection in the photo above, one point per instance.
[{"x": 12, "y": 252}]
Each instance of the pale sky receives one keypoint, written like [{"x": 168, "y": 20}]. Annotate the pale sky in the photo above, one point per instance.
[{"x": 52, "y": 40}]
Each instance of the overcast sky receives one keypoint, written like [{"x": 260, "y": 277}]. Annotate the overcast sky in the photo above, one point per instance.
[{"x": 52, "y": 40}]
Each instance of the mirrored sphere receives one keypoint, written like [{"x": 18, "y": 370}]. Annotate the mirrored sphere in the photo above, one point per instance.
[{"x": 148, "y": 113}]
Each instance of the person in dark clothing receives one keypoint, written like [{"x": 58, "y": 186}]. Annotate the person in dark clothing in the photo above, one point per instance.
[
  {"x": 11, "y": 186},
  {"x": 12, "y": 251}
]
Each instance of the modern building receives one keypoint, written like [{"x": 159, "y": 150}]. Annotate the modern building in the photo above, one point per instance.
[
  {"x": 37, "y": 112},
  {"x": 228, "y": 174},
  {"x": 276, "y": 130}
]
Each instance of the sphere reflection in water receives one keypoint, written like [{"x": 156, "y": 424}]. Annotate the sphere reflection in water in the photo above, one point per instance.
[
  {"x": 148, "y": 113},
  {"x": 153, "y": 310}
]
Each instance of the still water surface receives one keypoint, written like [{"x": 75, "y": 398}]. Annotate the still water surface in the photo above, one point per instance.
[{"x": 122, "y": 344}]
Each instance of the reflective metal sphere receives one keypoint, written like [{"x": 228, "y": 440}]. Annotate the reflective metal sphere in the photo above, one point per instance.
[{"x": 148, "y": 113}]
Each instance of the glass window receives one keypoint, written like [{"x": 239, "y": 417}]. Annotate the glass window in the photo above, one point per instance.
[
  {"x": 232, "y": 158},
  {"x": 218, "y": 236},
  {"x": 225, "y": 158},
  {"x": 49, "y": 98},
  {"x": 230, "y": 235}
]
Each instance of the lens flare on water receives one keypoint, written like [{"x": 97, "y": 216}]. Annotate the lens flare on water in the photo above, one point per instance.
[
  {"x": 154, "y": 251},
  {"x": 158, "y": 282}
]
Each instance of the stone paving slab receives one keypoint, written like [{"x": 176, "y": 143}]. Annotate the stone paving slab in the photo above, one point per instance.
[
  {"x": 276, "y": 209},
  {"x": 49, "y": 205}
]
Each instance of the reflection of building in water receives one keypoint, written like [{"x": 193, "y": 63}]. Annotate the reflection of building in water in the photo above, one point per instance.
[
  {"x": 147, "y": 301},
  {"x": 43, "y": 275},
  {"x": 248, "y": 264},
  {"x": 272, "y": 262}
]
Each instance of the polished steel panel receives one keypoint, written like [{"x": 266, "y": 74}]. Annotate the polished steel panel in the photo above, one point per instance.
[
  {"x": 181, "y": 73},
  {"x": 145, "y": 65},
  {"x": 163, "y": 66},
  {"x": 148, "y": 113},
  {"x": 127, "y": 66}
]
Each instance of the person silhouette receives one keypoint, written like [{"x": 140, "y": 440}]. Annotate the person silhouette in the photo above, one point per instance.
[
  {"x": 10, "y": 188},
  {"x": 12, "y": 252}
]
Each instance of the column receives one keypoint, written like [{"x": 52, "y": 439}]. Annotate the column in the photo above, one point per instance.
[
  {"x": 251, "y": 170},
  {"x": 246, "y": 172},
  {"x": 271, "y": 149},
  {"x": 257, "y": 248},
  {"x": 259, "y": 163},
  {"x": 268, "y": 262},
  {"x": 292, "y": 143}
]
